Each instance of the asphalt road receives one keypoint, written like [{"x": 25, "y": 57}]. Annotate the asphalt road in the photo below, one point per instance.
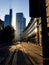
[{"x": 24, "y": 54}]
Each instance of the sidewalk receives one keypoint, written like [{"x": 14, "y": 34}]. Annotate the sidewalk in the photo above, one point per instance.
[{"x": 34, "y": 52}]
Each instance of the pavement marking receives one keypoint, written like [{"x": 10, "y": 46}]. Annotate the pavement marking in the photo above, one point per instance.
[
  {"x": 14, "y": 62},
  {"x": 9, "y": 57},
  {"x": 27, "y": 60},
  {"x": 26, "y": 57}
]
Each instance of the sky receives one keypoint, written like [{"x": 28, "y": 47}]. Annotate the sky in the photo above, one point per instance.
[{"x": 17, "y": 6}]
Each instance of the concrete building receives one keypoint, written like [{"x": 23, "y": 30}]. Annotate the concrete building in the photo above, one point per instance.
[
  {"x": 8, "y": 19},
  {"x": 20, "y": 24},
  {"x": 33, "y": 32}
]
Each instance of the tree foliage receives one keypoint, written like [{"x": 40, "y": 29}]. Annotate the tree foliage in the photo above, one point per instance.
[{"x": 8, "y": 34}]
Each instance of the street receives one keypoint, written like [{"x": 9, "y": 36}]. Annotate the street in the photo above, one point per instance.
[{"x": 24, "y": 54}]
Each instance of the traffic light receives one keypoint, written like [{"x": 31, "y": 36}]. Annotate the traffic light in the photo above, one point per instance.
[{"x": 34, "y": 8}]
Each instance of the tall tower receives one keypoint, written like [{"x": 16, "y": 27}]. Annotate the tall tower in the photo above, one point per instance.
[
  {"x": 20, "y": 24},
  {"x": 11, "y": 15},
  {"x": 8, "y": 19}
]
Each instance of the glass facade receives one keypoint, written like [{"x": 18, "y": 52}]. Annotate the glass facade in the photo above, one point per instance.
[
  {"x": 8, "y": 19},
  {"x": 20, "y": 24}
]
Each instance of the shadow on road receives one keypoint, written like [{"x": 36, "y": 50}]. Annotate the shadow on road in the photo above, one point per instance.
[
  {"x": 22, "y": 59},
  {"x": 4, "y": 53}
]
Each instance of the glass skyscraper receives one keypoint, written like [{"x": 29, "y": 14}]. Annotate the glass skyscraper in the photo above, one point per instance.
[
  {"x": 20, "y": 24},
  {"x": 8, "y": 19}
]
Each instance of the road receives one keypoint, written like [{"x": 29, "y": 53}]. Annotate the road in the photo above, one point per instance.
[{"x": 24, "y": 54}]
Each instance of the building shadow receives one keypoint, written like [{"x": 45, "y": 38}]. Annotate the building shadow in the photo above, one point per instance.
[{"x": 22, "y": 58}]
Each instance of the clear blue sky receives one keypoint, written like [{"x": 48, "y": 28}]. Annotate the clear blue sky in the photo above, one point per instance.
[{"x": 17, "y": 6}]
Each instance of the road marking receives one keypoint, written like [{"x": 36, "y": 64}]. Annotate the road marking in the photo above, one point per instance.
[
  {"x": 27, "y": 60},
  {"x": 9, "y": 57},
  {"x": 25, "y": 56},
  {"x": 14, "y": 62}
]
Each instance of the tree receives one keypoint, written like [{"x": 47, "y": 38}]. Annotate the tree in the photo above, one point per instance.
[{"x": 8, "y": 34}]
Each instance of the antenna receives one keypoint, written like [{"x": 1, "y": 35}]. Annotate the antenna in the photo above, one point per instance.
[{"x": 10, "y": 4}]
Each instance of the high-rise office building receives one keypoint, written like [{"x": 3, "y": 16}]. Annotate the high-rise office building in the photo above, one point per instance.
[
  {"x": 20, "y": 24},
  {"x": 10, "y": 15},
  {"x": 8, "y": 19}
]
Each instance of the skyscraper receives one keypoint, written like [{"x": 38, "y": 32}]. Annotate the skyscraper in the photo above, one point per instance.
[
  {"x": 10, "y": 15},
  {"x": 8, "y": 19},
  {"x": 20, "y": 24}
]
